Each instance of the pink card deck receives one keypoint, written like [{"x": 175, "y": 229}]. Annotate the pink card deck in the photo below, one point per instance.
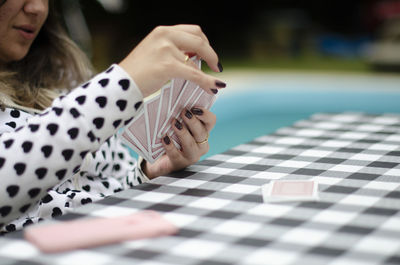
[
  {"x": 145, "y": 132},
  {"x": 290, "y": 190}
]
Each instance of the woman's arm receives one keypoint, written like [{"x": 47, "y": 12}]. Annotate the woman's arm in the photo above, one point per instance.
[{"x": 52, "y": 145}]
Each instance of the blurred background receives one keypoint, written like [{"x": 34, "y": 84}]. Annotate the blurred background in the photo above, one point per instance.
[
  {"x": 283, "y": 60},
  {"x": 340, "y": 35}
]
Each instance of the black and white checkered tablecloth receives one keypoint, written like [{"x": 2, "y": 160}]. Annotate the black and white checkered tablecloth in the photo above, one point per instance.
[{"x": 218, "y": 206}]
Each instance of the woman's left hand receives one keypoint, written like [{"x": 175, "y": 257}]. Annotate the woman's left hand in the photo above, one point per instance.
[{"x": 193, "y": 135}]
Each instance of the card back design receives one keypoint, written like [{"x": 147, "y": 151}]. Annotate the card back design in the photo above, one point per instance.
[
  {"x": 145, "y": 132},
  {"x": 290, "y": 190},
  {"x": 77, "y": 234}
]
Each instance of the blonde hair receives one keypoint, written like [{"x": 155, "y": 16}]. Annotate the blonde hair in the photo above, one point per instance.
[{"x": 53, "y": 64}]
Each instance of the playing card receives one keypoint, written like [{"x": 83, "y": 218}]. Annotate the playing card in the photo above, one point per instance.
[
  {"x": 196, "y": 95},
  {"x": 145, "y": 132},
  {"x": 184, "y": 98},
  {"x": 94, "y": 232},
  {"x": 150, "y": 113},
  {"x": 204, "y": 100},
  {"x": 137, "y": 131},
  {"x": 162, "y": 114},
  {"x": 176, "y": 88},
  {"x": 156, "y": 153},
  {"x": 290, "y": 190},
  {"x": 195, "y": 98},
  {"x": 175, "y": 141},
  {"x": 181, "y": 94},
  {"x": 127, "y": 139}
]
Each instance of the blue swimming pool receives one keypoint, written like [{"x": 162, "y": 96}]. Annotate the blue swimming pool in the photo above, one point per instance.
[{"x": 260, "y": 109}]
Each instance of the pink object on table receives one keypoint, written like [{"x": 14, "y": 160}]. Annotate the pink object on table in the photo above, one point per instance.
[
  {"x": 290, "y": 190},
  {"x": 294, "y": 188},
  {"x": 98, "y": 231}
]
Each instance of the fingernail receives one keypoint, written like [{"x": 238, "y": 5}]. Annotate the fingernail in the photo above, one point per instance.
[
  {"x": 197, "y": 111},
  {"x": 220, "y": 67},
  {"x": 188, "y": 114},
  {"x": 214, "y": 90},
  {"x": 220, "y": 84},
  {"x": 167, "y": 141},
  {"x": 178, "y": 125}
]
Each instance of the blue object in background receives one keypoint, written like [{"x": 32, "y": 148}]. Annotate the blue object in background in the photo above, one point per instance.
[
  {"x": 336, "y": 45},
  {"x": 242, "y": 116}
]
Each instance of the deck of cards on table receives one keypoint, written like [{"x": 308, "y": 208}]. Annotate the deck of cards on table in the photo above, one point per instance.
[
  {"x": 290, "y": 191},
  {"x": 145, "y": 132}
]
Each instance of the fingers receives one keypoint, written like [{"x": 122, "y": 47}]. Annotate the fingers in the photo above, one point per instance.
[
  {"x": 191, "y": 39},
  {"x": 175, "y": 155},
  {"x": 193, "y": 44},
  {"x": 193, "y": 29},
  {"x": 188, "y": 144},
  {"x": 188, "y": 71},
  {"x": 195, "y": 126},
  {"x": 193, "y": 137},
  {"x": 161, "y": 55},
  {"x": 191, "y": 150},
  {"x": 207, "y": 118}
]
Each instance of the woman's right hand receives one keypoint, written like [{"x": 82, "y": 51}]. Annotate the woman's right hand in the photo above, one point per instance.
[{"x": 161, "y": 55}]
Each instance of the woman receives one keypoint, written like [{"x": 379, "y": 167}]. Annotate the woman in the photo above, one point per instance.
[{"x": 69, "y": 154}]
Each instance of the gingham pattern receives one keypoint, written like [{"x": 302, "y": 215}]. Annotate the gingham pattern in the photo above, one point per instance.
[{"x": 218, "y": 206}]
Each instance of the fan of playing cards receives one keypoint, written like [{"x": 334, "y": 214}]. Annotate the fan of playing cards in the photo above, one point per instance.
[{"x": 145, "y": 132}]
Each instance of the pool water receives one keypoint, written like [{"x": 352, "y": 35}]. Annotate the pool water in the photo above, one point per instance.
[{"x": 259, "y": 103}]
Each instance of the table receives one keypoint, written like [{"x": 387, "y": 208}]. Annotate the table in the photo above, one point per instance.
[{"x": 218, "y": 206}]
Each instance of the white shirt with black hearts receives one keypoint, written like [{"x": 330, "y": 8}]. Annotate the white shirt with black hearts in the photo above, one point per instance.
[{"x": 70, "y": 154}]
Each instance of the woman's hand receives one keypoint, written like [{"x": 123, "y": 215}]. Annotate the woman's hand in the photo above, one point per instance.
[
  {"x": 193, "y": 135},
  {"x": 161, "y": 56}
]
